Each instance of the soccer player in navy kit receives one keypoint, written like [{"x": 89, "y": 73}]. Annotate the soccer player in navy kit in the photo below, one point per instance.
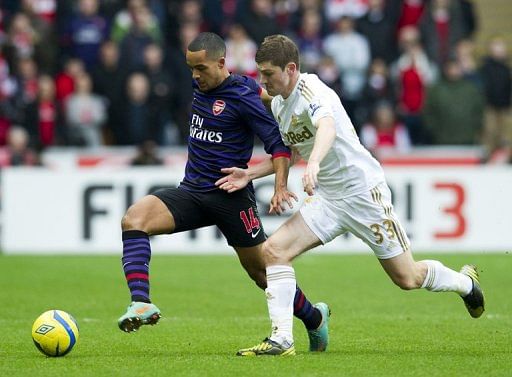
[{"x": 226, "y": 113}]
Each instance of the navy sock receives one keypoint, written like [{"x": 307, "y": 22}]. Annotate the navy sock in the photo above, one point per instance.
[
  {"x": 305, "y": 311},
  {"x": 136, "y": 257}
]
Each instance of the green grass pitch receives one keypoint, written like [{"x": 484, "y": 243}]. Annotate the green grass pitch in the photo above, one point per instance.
[{"x": 210, "y": 309}]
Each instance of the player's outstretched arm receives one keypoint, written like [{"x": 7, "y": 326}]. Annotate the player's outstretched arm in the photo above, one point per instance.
[
  {"x": 237, "y": 178},
  {"x": 281, "y": 194},
  {"x": 325, "y": 135}
]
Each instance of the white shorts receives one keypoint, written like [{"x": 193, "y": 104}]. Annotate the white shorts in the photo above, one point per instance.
[{"x": 369, "y": 216}]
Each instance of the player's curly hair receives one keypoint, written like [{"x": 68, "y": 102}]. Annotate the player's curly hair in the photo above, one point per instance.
[
  {"x": 210, "y": 42},
  {"x": 279, "y": 50}
]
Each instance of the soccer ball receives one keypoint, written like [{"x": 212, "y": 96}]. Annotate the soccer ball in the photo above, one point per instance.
[{"x": 55, "y": 333}]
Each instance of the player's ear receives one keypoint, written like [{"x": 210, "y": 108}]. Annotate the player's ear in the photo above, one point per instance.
[
  {"x": 290, "y": 68},
  {"x": 221, "y": 62}
]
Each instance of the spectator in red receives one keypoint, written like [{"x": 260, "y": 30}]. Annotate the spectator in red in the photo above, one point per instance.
[
  {"x": 240, "y": 52},
  {"x": 410, "y": 14},
  {"x": 412, "y": 73},
  {"x": 384, "y": 134},
  {"x": 65, "y": 80},
  {"x": 42, "y": 120},
  {"x": 45, "y": 10},
  {"x": 442, "y": 28}
]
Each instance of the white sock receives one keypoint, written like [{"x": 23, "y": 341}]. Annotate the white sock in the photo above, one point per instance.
[
  {"x": 281, "y": 285},
  {"x": 442, "y": 279}
]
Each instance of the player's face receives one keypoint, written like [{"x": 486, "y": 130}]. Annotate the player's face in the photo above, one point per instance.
[
  {"x": 275, "y": 80},
  {"x": 206, "y": 71}
]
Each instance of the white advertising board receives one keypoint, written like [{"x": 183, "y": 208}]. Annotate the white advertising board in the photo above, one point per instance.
[{"x": 79, "y": 211}]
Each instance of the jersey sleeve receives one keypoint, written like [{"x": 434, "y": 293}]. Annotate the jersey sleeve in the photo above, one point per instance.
[
  {"x": 263, "y": 124},
  {"x": 252, "y": 84},
  {"x": 318, "y": 107}
]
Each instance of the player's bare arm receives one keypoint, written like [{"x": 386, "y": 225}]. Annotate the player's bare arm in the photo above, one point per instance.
[
  {"x": 281, "y": 166},
  {"x": 325, "y": 135},
  {"x": 237, "y": 178}
]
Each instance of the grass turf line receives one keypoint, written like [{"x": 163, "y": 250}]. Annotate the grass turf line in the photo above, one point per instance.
[{"x": 210, "y": 309}]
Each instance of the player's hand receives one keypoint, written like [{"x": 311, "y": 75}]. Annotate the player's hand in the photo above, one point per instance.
[
  {"x": 236, "y": 179},
  {"x": 309, "y": 179},
  {"x": 281, "y": 196}
]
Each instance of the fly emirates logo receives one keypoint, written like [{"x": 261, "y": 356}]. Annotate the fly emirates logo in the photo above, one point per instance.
[{"x": 197, "y": 131}]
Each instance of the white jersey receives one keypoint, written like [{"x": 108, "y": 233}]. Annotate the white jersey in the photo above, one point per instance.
[{"x": 348, "y": 168}]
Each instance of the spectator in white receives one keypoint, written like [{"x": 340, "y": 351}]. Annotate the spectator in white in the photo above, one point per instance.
[
  {"x": 412, "y": 73},
  {"x": 384, "y": 135},
  {"x": 240, "y": 52},
  {"x": 85, "y": 114},
  {"x": 351, "y": 52},
  {"x": 334, "y": 9}
]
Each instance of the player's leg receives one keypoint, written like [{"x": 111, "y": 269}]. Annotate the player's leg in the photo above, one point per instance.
[
  {"x": 311, "y": 316},
  {"x": 290, "y": 240},
  {"x": 148, "y": 216},
  {"x": 167, "y": 211},
  {"x": 435, "y": 277},
  {"x": 371, "y": 217}
]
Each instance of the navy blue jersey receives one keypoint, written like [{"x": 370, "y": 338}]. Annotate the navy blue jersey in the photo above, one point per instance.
[{"x": 223, "y": 123}]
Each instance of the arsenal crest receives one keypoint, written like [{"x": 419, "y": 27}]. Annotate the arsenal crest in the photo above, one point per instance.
[{"x": 218, "y": 107}]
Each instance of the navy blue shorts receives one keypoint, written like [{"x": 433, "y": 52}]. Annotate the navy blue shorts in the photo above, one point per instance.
[{"x": 235, "y": 214}]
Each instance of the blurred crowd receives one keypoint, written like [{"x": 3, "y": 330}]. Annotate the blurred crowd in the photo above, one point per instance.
[{"x": 113, "y": 72}]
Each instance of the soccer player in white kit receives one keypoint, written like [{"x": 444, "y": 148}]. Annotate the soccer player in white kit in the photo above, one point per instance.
[{"x": 347, "y": 193}]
